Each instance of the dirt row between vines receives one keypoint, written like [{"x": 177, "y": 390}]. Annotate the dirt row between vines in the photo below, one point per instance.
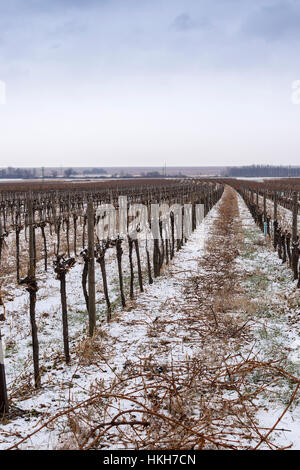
[{"x": 187, "y": 365}]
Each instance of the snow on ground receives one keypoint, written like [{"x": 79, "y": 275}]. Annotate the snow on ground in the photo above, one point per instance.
[
  {"x": 57, "y": 378},
  {"x": 16, "y": 330},
  {"x": 270, "y": 284},
  {"x": 284, "y": 215},
  {"x": 132, "y": 335}
]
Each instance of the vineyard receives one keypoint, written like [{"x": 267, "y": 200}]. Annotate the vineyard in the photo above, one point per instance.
[{"x": 156, "y": 314}]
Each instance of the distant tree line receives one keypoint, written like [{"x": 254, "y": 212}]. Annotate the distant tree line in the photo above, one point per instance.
[
  {"x": 89, "y": 171},
  {"x": 95, "y": 171},
  {"x": 157, "y": 174},
  {"x": 32, "y": 173},
  {"x": 263, "y": 171},
  {"x": 11, "y": 172}
]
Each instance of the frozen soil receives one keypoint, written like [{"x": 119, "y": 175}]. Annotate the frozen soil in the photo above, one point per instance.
[{"x": 207, "y": 357}]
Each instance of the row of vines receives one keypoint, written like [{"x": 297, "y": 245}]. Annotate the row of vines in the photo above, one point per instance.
[
  {"x": 274, "y": 206},
  {"x": 46, "y": 229}
]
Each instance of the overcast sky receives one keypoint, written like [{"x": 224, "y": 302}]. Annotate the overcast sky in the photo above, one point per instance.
[{"x": 141, "y": 82}]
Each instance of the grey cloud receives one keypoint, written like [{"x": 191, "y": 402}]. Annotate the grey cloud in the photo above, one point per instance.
[
  {"x": 70, "y": 27},
  {"x": 274, "y": 22},
  {"x": 184, "y": 22},
  {"x": 30, "y": 6}
]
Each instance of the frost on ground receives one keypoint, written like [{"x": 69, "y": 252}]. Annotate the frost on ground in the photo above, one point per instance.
[
  {"x": 16, "y": 330},
  {"x": 275, "y": 309},
  {"x": 207, "y": 357},
  {"x": 284, "y": 215}
]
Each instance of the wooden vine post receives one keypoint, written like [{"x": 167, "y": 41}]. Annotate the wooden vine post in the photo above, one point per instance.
[
  {"x": 32, "y": 289},
  {"x": 91, "y": 270},
  {"x": 275, "y": 222},
  {"x": 295, "y": 249},
  {"x": 18, "y": 230},
  {"x": 118, "y": 243},
  {"x": 65, "y": 316},
  {"x": 130, "y": 248},
  {"x": 3, "y": 389},
  {"x": 84, "y": 277},
  {"x": 265, "y": 206},
  {"x": 150, "y": 279},
  {"x": 101, "y": 249},
  {"x": 156, "y": 235},
  {"x": 295, "y": 215},
  {"x": 265, "y": 213},
  {"x": 137, "y": 252},
  {"x": 61, "y": 267},
  {"x": 275, "y": 205}
]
